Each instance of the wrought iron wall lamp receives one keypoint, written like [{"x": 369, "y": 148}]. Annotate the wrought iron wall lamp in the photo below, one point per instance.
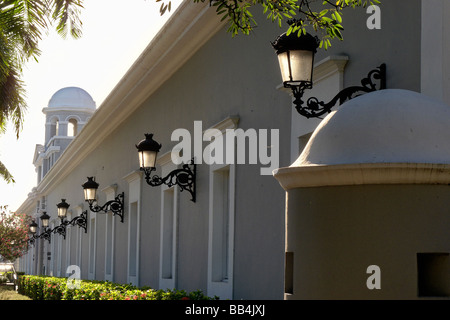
[
  {"x": 116, "y": 206},
  {"x": 63, "y": 206},
  {"x": 33, "y": 230},
  {"x": 80, "y": 220},
  {"x": 33, "y": 227},
  {"x": 46, "y": 235},
  {"x": 296, "y": 60},
  {"x": 184, "y": 177}
]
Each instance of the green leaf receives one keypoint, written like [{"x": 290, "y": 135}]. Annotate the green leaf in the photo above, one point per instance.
[
  {"x": 289, "y": 30},
  {"x": 338, "y": 17},
  {"x": 323, "y": 12}
]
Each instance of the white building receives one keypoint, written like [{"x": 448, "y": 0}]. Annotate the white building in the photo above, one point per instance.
[
  {"x": 233, "y": 241},
  {"x": 68, "y": 111}
]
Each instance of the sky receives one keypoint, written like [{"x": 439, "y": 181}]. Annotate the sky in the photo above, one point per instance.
[{"x": 114, "y": 35}]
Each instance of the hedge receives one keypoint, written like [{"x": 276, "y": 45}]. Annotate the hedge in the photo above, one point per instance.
[{"x": 53, "y": 288}]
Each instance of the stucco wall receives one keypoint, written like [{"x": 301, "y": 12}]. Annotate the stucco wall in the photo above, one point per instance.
[
  {"x": 336, "y": 233},
  {"x": 397, "y": 43}
]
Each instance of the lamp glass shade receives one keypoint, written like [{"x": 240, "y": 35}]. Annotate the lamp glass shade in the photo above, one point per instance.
[
  {"x": 45, "y": 218},
  {"x": 33, "y": 227},
  {"x": 62, "y": 212},
  {"x": 90, "y": 194},
  {"x": 296, "y": 66},
  {"x": 147, "y": 158},
  {"x": 62, "y": 208},
  {"x": 148, "y": 150},
  {"x": 90, "y": 189}
]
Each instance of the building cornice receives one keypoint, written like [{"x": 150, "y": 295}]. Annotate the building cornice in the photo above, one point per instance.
[
  {"x": 362, "y": 174},
  {"x": 50, "y": 110},
  {"x": 328, "y": 66}
]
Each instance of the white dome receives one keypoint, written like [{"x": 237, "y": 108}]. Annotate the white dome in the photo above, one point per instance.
[
  {"x": 72, "y": 97},
  {"x": 387, "y": 126}
]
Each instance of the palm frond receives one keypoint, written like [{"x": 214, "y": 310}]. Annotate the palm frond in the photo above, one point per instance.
[
  {"x": 66, "y": 13},
  {"x": 12, "y": 101},
  {"x": 5, "y": 174}
]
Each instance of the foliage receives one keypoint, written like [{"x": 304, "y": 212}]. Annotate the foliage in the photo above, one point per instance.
[
  {"x": 240, "y": 19},
  {"x": 13, "y": 234},
  {"x": 328, "y": 20},
  {"x": 22, "y": 23},
  {"x": 53, "y": 288}
]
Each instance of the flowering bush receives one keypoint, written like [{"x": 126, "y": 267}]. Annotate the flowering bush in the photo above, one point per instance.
[
  {"x": 53, "y": 288},
  {"x": 13, "y": 234},
  {"x": 32, "y": 287}
]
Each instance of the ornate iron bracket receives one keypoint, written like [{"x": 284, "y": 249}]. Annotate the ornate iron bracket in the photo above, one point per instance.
[
  {"x": 46, "y": 235},
  {"x": 183, "y": 177},
  {"x": 81, "y": 221},
  {"x": 33, "y": 238},
  {"x": 116, "y": 206},
  {"x": 315, "y": 108},
  {"x": 61, "y": 229}
]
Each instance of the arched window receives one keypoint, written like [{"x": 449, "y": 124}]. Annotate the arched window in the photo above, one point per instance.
[
  {"x": 54, "y": 127},
  {"x": 72, "y": 128}
]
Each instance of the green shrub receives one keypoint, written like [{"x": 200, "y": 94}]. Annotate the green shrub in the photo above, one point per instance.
[{"x": 53, "y": 288}]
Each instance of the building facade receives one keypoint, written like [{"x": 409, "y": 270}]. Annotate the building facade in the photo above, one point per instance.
[{"x": 223, "y": 97}]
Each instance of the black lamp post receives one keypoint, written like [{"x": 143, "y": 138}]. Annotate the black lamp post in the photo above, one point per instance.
[
  {"x": 116, "y": 206},
  {"x": 184, "y": 177},
  {"x": 296, "y": 60}
]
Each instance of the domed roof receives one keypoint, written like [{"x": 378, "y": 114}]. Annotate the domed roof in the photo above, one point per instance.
[
  {"x": 72, "y": 97},
  {"x": 387, "y": 126}
]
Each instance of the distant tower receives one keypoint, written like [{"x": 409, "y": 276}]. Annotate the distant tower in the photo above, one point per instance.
[{"x": 68, "y": 111}]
